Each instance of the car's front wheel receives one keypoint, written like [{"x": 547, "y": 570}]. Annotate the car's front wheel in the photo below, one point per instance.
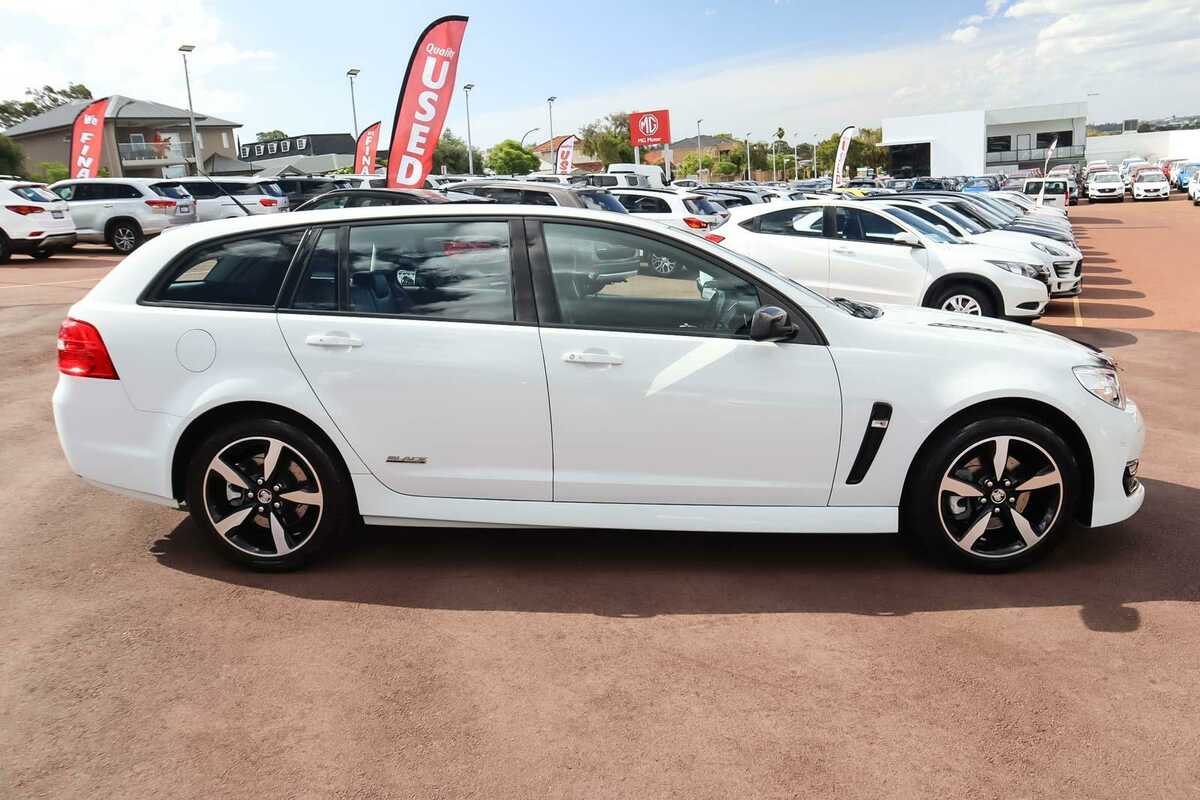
[
  {"x": 268, "y": 494},
  {"x": 992, "y": 495},
  {"x": 125, "y": 237},
  {"x": 965, "y": 299}
]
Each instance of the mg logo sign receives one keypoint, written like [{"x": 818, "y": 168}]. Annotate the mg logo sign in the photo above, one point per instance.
[{"x": 650, "y": 127}]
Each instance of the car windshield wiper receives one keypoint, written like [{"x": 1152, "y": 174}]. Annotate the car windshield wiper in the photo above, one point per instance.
[{"x": 859, "y": 309}]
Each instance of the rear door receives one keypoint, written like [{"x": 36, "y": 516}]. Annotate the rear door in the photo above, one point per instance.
[
  {"x": 865, "y": 263},
  {"x": 802, "y": 254},
  {"x": 420, "y": 340},
  {"x": 86, "y": 204}
]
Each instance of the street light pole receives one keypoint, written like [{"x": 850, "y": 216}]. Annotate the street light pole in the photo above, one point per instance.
[
  {"x": 350, "y": 73},
  {"x": 184, "y": 49},
  {"x": 531, "y": 130},
  {"x": 550, "y": 105},
  {"x": 699, "y": 160},
  {"x": 796, "y": 156},
  {"x": 816, "y": 141},
  {"x": 470, "y": 155},
  {"x": 748, "y": 156}
]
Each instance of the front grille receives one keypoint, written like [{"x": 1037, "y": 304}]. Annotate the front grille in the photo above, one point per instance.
[{"x": 1064, "y": 269}]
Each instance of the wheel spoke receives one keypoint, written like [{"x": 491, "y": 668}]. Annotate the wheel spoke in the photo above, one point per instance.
[
  {"x": 271, "y": 459},
  {"x": 1051, "y": 478},
  {"x": 1023, "y": 527},
  {"x": 277, "y": 534},
  {"x": 227, "y": 472},
  {"x": 1000, "y": 460},
  {"x": 232, "y": 521},
  {"x": 976, "y": 530},
  {"x": 303, "y": 498},
  {"x": 960, "y": 488}
]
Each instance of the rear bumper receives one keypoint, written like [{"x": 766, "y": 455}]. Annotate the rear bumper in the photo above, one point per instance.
[{"x": 54, "y": 241}]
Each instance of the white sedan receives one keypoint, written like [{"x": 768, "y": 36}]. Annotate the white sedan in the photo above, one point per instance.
[
  {"x": 877, "y": 253},
  {"x": 1151, "y": 184},
  {"x": 280, "y": 377}
]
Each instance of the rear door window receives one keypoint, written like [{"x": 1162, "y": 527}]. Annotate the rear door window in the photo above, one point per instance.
[
  {"x": 119, "y": 191},
  {"x": 204, "y": 191},
  {"x": 784, "y": 222},
  {"x": 247, "y": 271}
]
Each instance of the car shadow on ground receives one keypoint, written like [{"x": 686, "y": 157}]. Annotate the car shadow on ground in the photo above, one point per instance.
[
  {"x": 643, "y": 574},
  {"x": 1104, "y": 338}
]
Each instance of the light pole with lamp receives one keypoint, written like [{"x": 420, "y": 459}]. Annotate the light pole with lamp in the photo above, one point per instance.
[
  {"x": 550, "y": 106},
  {"x": 470, "y": 155},
  {"x": 350, "y": 73},
  {"x": 816, "y": 141},
  {"x": 524, "y": 135},
  {"x": 699, "y": 158},
  {"x": 184, "y": 49},
  {"x": 748, "y": 156},
  {"x": 796, "y": 154}
]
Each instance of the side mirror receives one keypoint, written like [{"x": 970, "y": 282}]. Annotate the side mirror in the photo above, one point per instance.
[
  {"x": 770, "y": 324},
  {"x": 905, "y": 237}
]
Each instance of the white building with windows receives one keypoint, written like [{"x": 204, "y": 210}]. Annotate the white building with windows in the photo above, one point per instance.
[{"x": 978, "y": 142}]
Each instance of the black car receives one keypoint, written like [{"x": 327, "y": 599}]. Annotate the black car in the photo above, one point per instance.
[
  {"x": 363, "y": 198},
  {"x": 302, "y": 188}
]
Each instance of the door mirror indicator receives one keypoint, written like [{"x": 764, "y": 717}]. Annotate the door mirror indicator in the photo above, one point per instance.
[
  {"x": 771, "y": 324},
  {"x": 905, "y": 237}
]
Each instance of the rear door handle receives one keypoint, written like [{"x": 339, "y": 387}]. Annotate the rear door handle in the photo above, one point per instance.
[
  {"x": 332, "y": 340},
  {"x": 843, "y": 251},
  {"x": 593, "y": 358}
]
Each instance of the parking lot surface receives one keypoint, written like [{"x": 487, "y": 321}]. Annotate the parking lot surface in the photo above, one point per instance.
[{"x": 445, "y": 663}]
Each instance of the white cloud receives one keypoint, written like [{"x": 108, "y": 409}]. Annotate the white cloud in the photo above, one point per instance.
[{"x": 965, "y": 35}]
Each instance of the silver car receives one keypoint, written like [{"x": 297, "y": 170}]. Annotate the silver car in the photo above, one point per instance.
[
  {"x": 124, "y": 212},
  {"x": 226, "y": 197}
]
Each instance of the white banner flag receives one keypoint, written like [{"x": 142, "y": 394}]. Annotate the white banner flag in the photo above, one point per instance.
[
  {"x": 843, "y": 148},
  {"x": 564, "y": 156}
]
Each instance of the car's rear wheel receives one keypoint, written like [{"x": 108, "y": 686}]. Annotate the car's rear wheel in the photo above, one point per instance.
[
  {"x": 5, "y": 250},
  {"x": 964, "y": 298},
  {"x": 992, "y": 495},
  {"x": 125, "y": 236},
  {"x": 41, "y": 255},
  {"x": 267, "y": 494}
]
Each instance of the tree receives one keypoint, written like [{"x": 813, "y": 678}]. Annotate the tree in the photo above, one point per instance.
[
  {"x": 688, "y": 165},
  {"x": 40, "y": 101},
  {"x": 270, "y": 136},
  {"x": 451, "y": 152},
  {"x": 509, "y": 158},
  {"x": 608, "y": 139},
  {"x": 12, "y": 158}
]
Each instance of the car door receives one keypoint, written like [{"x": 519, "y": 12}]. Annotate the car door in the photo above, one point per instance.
[
  {"x": 865, "y": 263},
  {"x": 791, "y": 241},
  {"x": 419, "y": 339},
  {"x": 658, "y": 395},
  {"x": 207, "y": 198}
]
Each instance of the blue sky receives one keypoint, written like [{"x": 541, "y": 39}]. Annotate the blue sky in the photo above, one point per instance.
[{"x": 742, "y": 66}]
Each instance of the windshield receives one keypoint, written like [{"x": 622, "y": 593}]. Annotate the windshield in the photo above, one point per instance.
[
  {"x": 979, "y": 183},
  {"x": 602, "y": 201},
  {"x": 271, "y": 189},
  {"x": 922, "y": 227},
  {"x": 961, "y": 220},
  {"x": 174, "y": 190},
  {"x": 1107, "y": 177},
  {"x": 997, "y": 208},
  {"x": 980, "y": 215},
  {"x": 699, "y": 205},
  {"x": 1150, "y": 176},
  {"x": 34, "y": 194}
]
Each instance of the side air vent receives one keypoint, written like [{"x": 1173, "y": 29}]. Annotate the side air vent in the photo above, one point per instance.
[{"x": 877, "y": 425}]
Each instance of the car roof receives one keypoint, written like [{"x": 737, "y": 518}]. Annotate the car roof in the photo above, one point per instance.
[
  {"x": 643, "y": 190},
  {"x": 139, "y": 181}
]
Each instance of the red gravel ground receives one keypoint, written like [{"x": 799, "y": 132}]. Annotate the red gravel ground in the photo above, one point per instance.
[{"x": 448, "y": 664}]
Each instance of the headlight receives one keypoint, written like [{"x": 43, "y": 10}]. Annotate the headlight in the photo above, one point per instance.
[
  {"x": 1019, "y": 268},
  {"x": 1101, "y": 382},
  {"x": 1050, "y": 249}
]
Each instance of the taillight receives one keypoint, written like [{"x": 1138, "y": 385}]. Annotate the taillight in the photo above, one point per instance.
[
  {"x": 698, "y": 224},
  {"x": 715, "y": 238},
  {"x": 25, "y": 211},
  {"x": 267, "y": 202},
  {"x": 81, "y": 351},
  {"x": 161, "y": 203}
]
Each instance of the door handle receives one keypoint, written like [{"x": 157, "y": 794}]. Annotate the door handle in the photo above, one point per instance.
[
  {"x": 843, "y": 251},
  {"x": 332, "y": 340},
  {"x": 593, "y": 358}
]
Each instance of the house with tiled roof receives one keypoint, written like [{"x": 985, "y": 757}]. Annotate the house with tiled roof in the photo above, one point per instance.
[{"x": 580, "y": 160}]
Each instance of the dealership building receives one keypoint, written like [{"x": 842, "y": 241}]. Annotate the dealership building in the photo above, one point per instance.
[{"x": 978, "y": 142}]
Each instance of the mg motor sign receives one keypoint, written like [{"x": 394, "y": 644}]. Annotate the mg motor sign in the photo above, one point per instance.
[{"x": 649, "y": 127}]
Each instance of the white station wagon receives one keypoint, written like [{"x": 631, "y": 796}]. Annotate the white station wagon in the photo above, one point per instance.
[{"x": 282, "y": 377}]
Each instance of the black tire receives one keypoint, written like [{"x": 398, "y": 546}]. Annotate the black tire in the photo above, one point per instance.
[
  {"x": 124, "y": 236},
  {"x": 41, "y": 255},
  {"x": 5, "y": 250},
  {"x": 252, "y": 541},
  {"x": 987, "y": 306},
  {"x": 930, "y": 514}
]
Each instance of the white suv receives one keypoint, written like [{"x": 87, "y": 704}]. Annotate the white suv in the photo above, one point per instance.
[
  {"x": 884, "y": 254},
  {"x": 32, "y": 220},
  {"x": 284, "y": 376},
  {"x": 225, "y": 197},
  {"x": 124, "y": 212}
]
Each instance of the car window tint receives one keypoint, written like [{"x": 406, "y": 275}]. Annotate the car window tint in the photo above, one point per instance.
[
  {"x": 612, "y": 279},
  {"x": 70, "y": 192},
  {"x": 535, "y": 198},
  {"x": 783, "y": 222},
  {"x": 847, "y": 226},
  {"x": 122, "y": 191},
  {"x": 246, "y": 271},
  {"x": 392, "y": 200},
  {"x": 317, "y": 289},
  {"x": 446, "y": 270},
  {"x": 500, "y": 194},
  {"x": 876, "y": 228},
  {"x": 176, "y": 191},
  {"x": 34, "y": 194},
  {"x": 203, "y": 190},
  {"x": 644, "y": 204},
  {"x": 332, "y": 201}
]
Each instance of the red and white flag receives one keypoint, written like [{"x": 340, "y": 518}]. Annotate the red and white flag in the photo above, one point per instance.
[
  {"x": 848, "y": 133},
  {"x": 87, "y": 140},
  {"x": 424, "y": 102},
  {"x": 564, "y": 156},
  {"x": 365, "y": 149}
]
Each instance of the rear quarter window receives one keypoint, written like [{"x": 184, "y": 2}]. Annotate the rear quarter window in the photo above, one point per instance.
[{"x": 246, "y": 271}]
